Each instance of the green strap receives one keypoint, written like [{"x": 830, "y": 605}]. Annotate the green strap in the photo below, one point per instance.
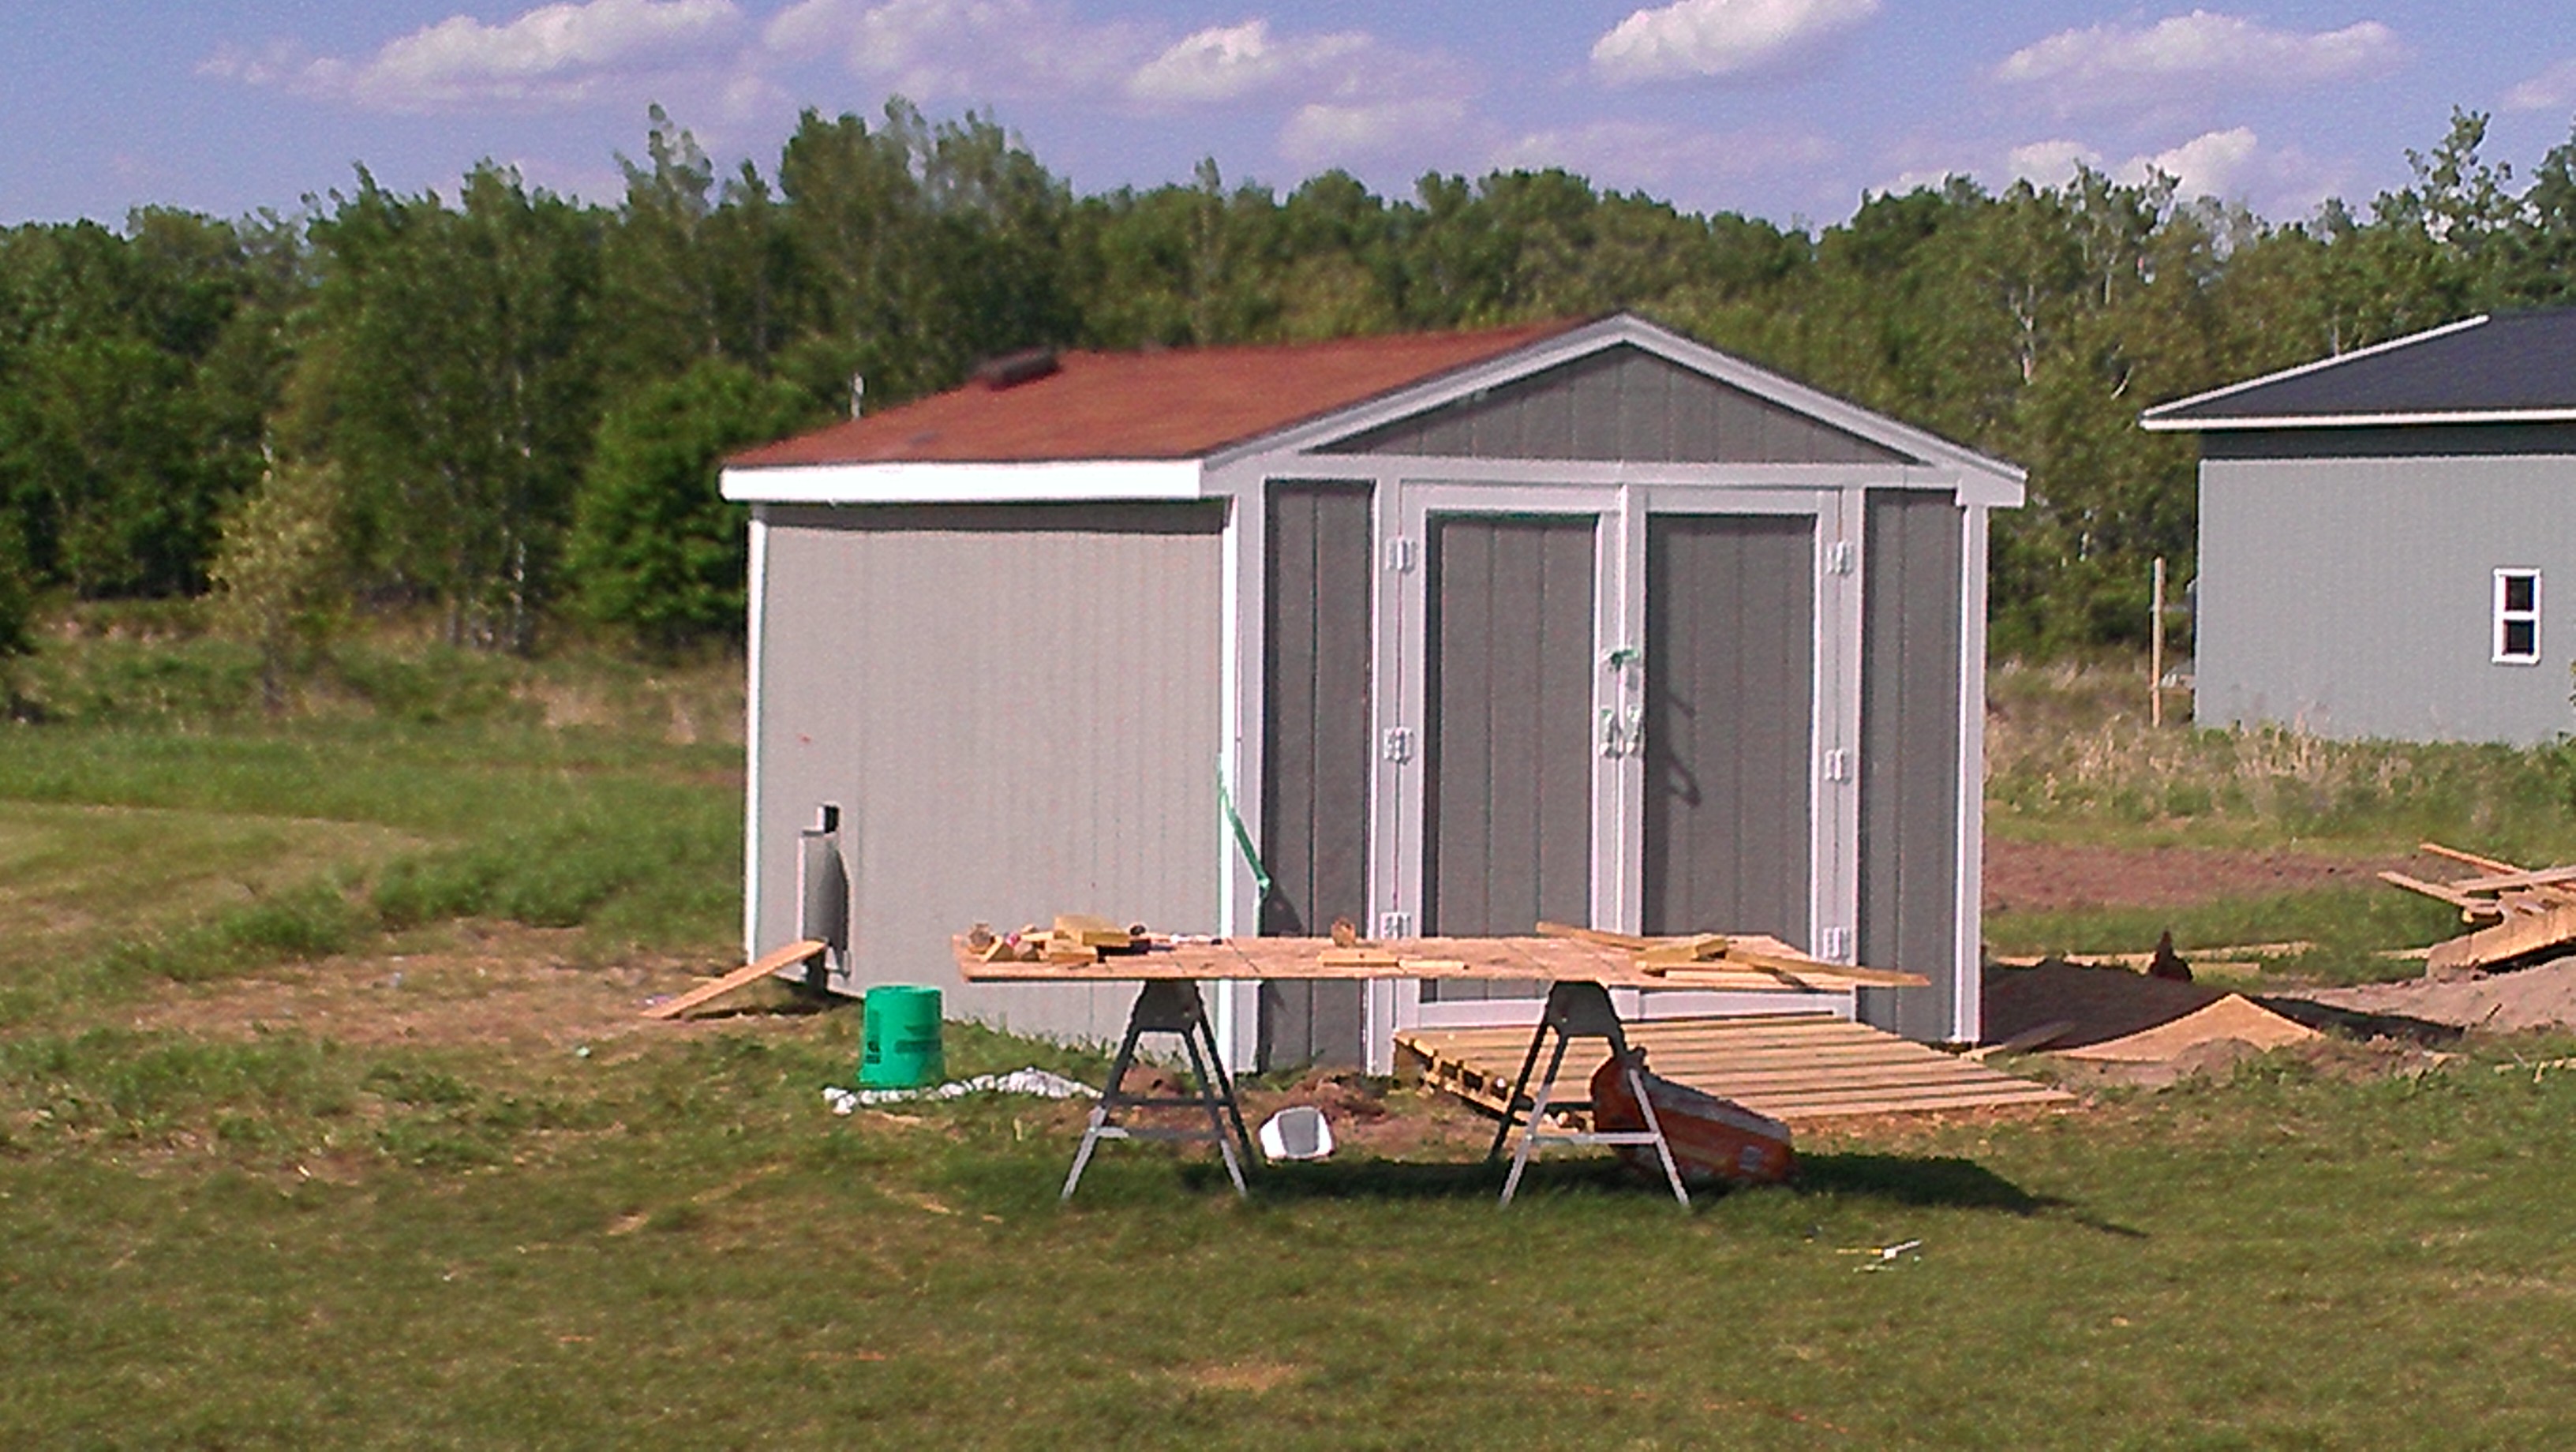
[{"x": 1242, "y": 834}]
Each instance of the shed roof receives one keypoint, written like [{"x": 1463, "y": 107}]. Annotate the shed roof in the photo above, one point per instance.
[
  {"x": 2510, "y": 368},
  {"x": 1177, "y": 403}
]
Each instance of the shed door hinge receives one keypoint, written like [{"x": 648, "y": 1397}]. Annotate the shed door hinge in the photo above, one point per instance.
[
  {"x": 1395, "y": 925},
  {"x": 1838, "y": 557},
  {"x": 1837, "y": 764},
  {"x": 1835, "y": 945},
  {"x": 1399, "y": 744},
  {"x": 1399, "y": 554}
]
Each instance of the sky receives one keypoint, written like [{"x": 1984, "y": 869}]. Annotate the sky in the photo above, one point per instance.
[{"x": 1786, "y": 109}]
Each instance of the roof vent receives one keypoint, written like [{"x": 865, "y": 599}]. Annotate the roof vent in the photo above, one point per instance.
[{"x": 1013, "y": 369}]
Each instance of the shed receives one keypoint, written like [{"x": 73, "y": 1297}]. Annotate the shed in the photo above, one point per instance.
[
  {"x": 2377, "y": 533},
  {"x": 1440, "y": 633}
]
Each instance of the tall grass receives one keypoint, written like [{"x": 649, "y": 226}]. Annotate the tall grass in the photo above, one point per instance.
[{"x": 2070, "y": 753}]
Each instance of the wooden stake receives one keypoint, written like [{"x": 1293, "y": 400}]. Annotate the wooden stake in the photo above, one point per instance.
[{"x": 2156, "y": 650}]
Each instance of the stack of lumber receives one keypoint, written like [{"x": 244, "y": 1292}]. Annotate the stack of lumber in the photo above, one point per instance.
[
  {"x": 1738, "y": 962},
  {"x": 1075, "y": 938},
  {"x": 1788, "y": 1066},
  {"x": 2518, "y": 914}
]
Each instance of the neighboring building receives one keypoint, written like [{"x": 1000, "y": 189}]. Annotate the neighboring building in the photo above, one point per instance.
[
  {"x": 1579, "y": 621},
  {"x": 2387, "y": 545}
]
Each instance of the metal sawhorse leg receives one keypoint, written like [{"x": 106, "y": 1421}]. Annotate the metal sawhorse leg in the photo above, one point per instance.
[
  {"x": 1170, "y": 1006},
  {"x": 1578, "y": 1011}
]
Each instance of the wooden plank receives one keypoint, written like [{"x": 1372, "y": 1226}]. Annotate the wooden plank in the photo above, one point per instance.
[
  {"x": 1803, "y": 1066},
  {"x": 749, "y": 973},
  {"x": 2439, "y": 892},
  {"x": 2514, "y": 938},
  {"x": 2502, "y": 881},
  {"x": 1595, "y": 936},
  {"x": 2470, "y": 859}
]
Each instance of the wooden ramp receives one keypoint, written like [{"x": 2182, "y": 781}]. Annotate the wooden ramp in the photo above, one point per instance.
[{"x": 1788, "y": 1066}]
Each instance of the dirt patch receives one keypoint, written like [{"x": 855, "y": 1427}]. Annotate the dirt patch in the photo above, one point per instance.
[
  {"x": 2035, "y": 877},
  {"x": 522, "y": 988},
  {"x": 2520, "y": 1001},
  {"x": 1380, "y": 1118}
]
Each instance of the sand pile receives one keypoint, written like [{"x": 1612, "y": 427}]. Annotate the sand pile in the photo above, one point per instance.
[
  {"x": 2517, "y": 1001},
  {"x": 2116, "y": 1015}
]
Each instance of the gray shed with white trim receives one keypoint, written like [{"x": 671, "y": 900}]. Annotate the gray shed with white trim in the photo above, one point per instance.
[
  {"x": 2379, "y": 532},
  {"x": 1581, "y": 621}
]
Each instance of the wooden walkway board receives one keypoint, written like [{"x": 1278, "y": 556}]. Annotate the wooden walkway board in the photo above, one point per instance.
[{"x": 1788, "y": 1066}]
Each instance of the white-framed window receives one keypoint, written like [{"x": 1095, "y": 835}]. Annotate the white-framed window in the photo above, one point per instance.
[{"x": 2517, "y": 617}]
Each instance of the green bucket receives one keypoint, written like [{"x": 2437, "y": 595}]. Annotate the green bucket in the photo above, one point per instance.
[{"x": 900, "y": 1032}]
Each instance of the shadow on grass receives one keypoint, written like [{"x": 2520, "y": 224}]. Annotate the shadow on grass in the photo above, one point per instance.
[
  {"x": 2357, "y": 1024},
  {"x": 1921, "y": 1182}
]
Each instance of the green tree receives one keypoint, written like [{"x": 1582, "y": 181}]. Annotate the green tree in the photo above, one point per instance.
[
  {"x": 280, "y": 576},
  {"x": 655, "y": 549},
  {"x": 455, "y": 380}
]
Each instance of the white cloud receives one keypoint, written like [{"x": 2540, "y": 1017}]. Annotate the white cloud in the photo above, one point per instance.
[
  {"x": 2050, "y": 163},
  {"x": 2221, "y": 164},
  {"x": 1721, "y": 37},
  {"x": 2552, "y": 90},
  {"x": 1342, "y": 133},
  {"x": 1658, "y": 157},
  {"x": 2232, "y": 165},
  {"x": 1226, "y": 63},
  {"x": 977, "y": 50},
  {"x": 552, "y": 55},
  {"x": 2115, "y": 65}
]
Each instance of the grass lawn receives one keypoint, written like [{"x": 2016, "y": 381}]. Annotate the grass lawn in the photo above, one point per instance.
[{"x": 286, "y": 1158}]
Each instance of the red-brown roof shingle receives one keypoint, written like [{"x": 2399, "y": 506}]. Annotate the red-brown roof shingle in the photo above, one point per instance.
[{"x": 1177, "y": 404}]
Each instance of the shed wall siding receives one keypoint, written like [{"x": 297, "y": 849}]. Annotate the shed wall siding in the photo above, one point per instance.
[
  {"x": 1730, "y": 681},
  {"x": 1017, "y": 710},
  {"x": 1316, "y": 760},
  {"x": 1912, "y": 553},
  {"x": 2352, "y": 597},
  {"x": 1621, "y": 404}
]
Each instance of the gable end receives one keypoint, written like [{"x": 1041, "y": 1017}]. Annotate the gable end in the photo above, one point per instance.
[{"x": 1621, "y": 404}]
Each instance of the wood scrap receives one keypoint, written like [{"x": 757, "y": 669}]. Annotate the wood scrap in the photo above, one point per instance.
[
  {"x": 2518, "y": 914},
  {"x": 1676, "y": 952},
  {"x": 2516, "y": 938},
  {"x": 1597, "y": 937},
  {"x": 794, "y": 953},
  {"x": 2038, "y": 1035},
  {"x": 1091, "y": 931}
]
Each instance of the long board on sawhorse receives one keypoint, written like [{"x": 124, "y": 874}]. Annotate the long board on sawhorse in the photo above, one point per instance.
[{"x": 749, "y": 973}]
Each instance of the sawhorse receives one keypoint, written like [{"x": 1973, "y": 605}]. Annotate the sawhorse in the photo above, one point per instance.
[
  {"x": 1170, "y": 1006},
  {"x": 1578, "y": 1010}
]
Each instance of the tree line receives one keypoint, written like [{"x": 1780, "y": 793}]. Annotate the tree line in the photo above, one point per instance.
[{"x": 504, "y": 405}]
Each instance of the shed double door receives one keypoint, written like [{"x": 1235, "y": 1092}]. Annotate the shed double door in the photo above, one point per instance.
[{"x": 1615, "y": 707}]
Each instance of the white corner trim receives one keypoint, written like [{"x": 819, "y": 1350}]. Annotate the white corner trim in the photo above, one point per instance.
[
  {"x": 757, "y": 587},
  {"x": 2154, "y": 419},
  {"x": 967, "y": 483}
]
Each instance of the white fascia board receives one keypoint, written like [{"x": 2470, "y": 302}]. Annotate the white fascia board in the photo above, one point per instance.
[
  {"x": 918, "y": 483},
  {"x": 1663, "y": 343},
  {"x": 2354, "y": 420},
  {"x": 2155, "y": 421}
]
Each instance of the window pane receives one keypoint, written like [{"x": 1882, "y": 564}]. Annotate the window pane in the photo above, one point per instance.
[
  {"x": 2522, "y": 637},
  {"x": 2521, "y": 592}
]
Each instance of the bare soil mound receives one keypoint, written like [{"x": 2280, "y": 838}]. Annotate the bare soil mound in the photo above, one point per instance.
[
  {"x": 497, "y": 985},
  {"x": 2048, "y": 877},
  {"x": 2519, "y": 1001}
]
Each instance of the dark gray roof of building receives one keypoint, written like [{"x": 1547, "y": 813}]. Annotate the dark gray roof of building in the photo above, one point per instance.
[{"x": 2515, "y": 367}]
